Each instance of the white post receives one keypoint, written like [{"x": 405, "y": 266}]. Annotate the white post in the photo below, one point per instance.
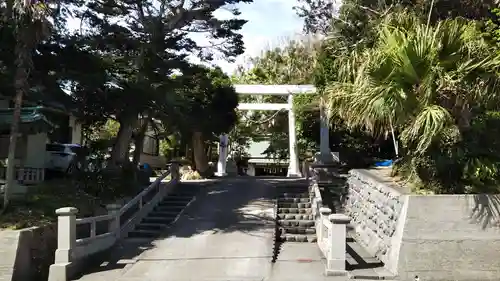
[
  {"x": 223, "y": 147},
  {"x": 324, "y": 212},
  {"x": 337, "y": 245},
  {"x": 114, "y": 224},
  {"x": 293, "y": 168},
  {"x": 66, "y": 243}
]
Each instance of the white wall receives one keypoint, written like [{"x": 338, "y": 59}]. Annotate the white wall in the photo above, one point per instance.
[{"x": 35, "y": 151}]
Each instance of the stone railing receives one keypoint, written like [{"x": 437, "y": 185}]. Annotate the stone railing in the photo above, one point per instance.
[
  {"x": 25, "y": 175},
  {"x": 331, "y": 229},
  {"x": 331, "y": 232},
  {"x": 102, "y": 232}
]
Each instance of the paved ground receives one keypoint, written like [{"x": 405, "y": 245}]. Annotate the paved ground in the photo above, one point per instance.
[{"x": 226, "y": 235}]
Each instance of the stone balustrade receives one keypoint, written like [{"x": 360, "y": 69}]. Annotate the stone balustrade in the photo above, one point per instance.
[
  {"x": 331, "y": 229},
  {"x": 26, "y": 175},
  {"x": 103, "y": 231}
]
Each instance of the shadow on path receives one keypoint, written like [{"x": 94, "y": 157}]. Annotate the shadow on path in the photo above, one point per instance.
[{"x": 243, "y": 204}]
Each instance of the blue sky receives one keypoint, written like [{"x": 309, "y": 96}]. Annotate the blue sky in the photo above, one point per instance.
[{"x": 269, "y": 22}]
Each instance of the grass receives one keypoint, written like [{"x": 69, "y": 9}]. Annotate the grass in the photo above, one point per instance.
[{"x": 38, "y": 206}]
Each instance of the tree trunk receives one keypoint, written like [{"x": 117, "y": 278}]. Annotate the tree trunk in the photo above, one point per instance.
[
  {"x": 21, "y": 84},
  {"x": 139, "y": 141},
  {"x": 121, "y": 146},
  {"x": 199, "y": 154}
]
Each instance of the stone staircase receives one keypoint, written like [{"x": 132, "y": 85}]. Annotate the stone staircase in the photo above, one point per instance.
[
  {"x": 167, "y": 212},
  {"x": 294, "y": 214}
]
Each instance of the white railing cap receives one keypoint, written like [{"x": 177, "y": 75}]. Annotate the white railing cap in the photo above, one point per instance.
[
  {"x": 325, "y": 210},
  {"x": 339, "y": 218},
  {"x": 66, "y": 211},
  {"x": 113, "y": 206}
]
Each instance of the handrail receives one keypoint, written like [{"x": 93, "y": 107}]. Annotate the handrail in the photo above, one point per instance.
[
  {"x": 146, "y": 191},
  {"x": 93, "y": 219},
  {"x": 70, "y": 249},
  {"x": 330, "y": 229}
]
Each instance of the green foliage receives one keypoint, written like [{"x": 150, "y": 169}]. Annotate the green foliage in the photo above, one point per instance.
[
  {"x": 432, "y": 85},
  {"x": 292, "y": 63},
  {"x": 209, "y": 103},
  {"x": 492, "y": 26}
]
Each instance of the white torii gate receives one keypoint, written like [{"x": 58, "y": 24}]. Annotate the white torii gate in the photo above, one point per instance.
[{"x": 281, "y": 90}]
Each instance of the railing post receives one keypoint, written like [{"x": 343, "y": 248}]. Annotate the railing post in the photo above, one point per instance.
[
  {"x": 174, "y": 171},
  {"x": 114, "y": 223},
  {"x": 66, "y": 242},
  {"x": 305, "y": 170},
  {"x": 337, "y": 245},
  {"x": 324, "y": 213}
]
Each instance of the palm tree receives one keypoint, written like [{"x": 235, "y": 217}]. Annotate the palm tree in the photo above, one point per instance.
[
  {"x": 420, "y": 80},
  {"x": 30, "y": 22}
]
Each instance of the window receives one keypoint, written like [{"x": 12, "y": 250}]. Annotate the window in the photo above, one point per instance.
[{"x": 151, "y": 146}]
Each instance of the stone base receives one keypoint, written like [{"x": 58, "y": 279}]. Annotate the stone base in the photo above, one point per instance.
[
  {"x": 293, "y": 174},
  {"x": 220, "y": 174},
  {"x": 60, "y": 271},
  {"x": 335, "y": 272},
  {"x": 327, "y": 158}
]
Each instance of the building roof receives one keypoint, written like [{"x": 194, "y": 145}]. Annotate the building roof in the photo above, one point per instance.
[{"x": 32, "y": 120}]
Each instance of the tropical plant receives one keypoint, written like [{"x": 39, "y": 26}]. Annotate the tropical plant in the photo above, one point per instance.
[{"x": 427, "y": 83}]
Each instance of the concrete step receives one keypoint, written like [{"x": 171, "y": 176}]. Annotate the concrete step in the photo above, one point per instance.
[
  {"x": 168, "y": 208},
  {"x": 158, "y": 219},
  {"x": 298, "y": 230},
  {"x": 294, "y": 200},
  {"x": 165, "y": 214},
  {"x": 298, "y": 238},
  {"x": 294, "y": 211},
  {"x": 300, "y": 223},
  {"x": 294, "y": 195},
  {"x": 145, "y": 233},
  {"x": 177, "y": 204},
  {"x": 185, "y": 191},
  {"x": 293, "y": 188},
  {"x": 295, "y": 216},
  {"x": 356, "y": 255},
  {"x": 294, "y": 205},
  {"x": 181, "y": 198},
  {"x": 151, "y": 226}
]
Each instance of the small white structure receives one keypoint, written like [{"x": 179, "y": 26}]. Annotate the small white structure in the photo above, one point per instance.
[{"x": 281, "y": 90}]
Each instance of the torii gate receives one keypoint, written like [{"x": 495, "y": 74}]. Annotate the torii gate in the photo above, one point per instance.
[{"x": 281, "y": 90}]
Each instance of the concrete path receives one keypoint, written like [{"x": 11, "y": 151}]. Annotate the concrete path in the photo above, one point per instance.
[{"x": 226, "y": 235}]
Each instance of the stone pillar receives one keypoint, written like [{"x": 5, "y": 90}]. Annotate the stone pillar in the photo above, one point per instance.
[
  {"x": 305, "y": 170},
  {"x": 223, "y": 147},
  {"x": 324, "y": 146},
  {"x": 251, "y": 170},
  {"x": 293, "y": 168},
  {"x": 174, "y": 171},
  {"x": 337, "y": 243},
  {"x": 325, "y": 155},
  {"x": 114, "y": 224},
  {"x": 66, "y": 243}
]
